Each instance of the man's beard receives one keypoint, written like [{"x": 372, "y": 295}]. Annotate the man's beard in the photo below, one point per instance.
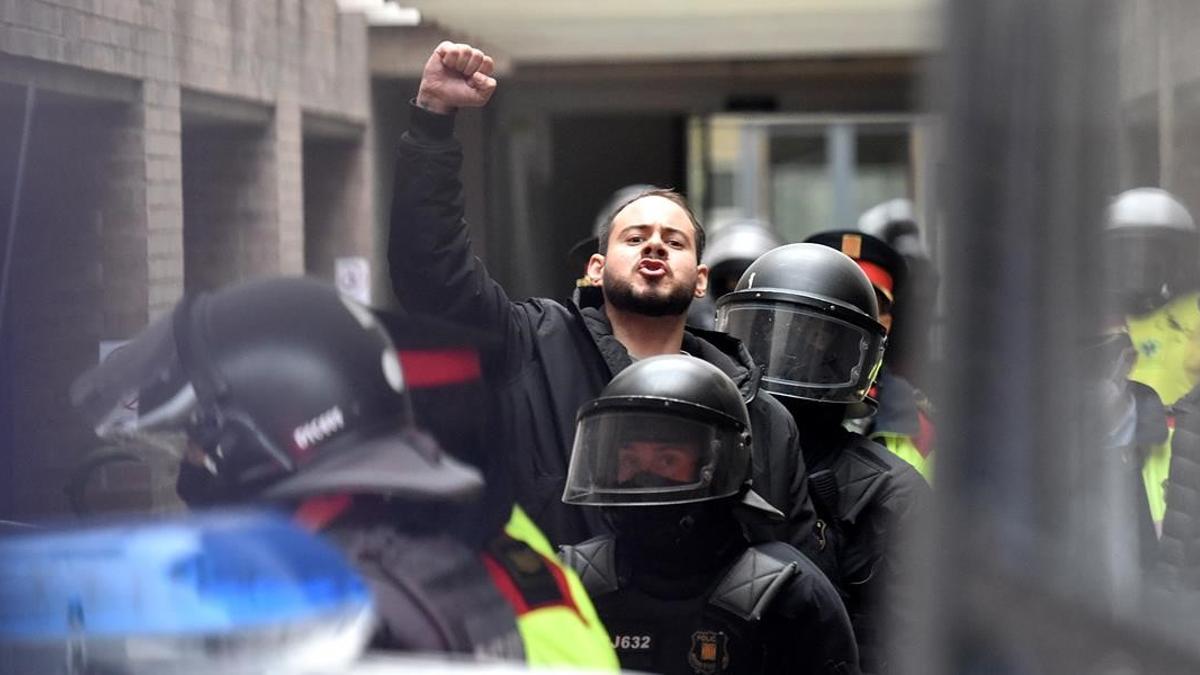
[{"x": 620, "y": 294}]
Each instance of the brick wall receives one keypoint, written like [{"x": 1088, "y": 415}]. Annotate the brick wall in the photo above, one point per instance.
[
  {"x": 130, "y": 199},
  {"x": 229, "y": 205}
]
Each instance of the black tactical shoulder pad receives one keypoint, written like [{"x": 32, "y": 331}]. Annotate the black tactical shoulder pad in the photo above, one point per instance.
[
  {"x": 754, "y": 580},
  {"x": 595, "y": 562},
  {"x": 862, "y": 470}
]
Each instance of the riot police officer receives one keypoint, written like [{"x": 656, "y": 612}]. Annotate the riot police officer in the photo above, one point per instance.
[
  {"x": 665, "y": 452},
  {"x": 899, "y": 416},
  {"x": 808, "y": 314},
  {"x": 1151, "y": 243},
  {"x": 284, "y": 392}
]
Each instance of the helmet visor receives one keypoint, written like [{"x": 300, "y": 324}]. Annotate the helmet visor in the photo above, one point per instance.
[
  {"x": 807, "y": 354},
  {"x": 140, "y": 391},
  {"x": 1138, "y": 268},
  {"x": 624, "y": 457}
]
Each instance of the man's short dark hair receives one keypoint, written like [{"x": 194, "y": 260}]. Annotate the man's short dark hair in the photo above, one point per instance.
[{"x": 665, "y": 193}]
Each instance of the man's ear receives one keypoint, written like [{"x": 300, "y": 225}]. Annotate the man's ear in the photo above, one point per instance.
[
  {"x": 595, "y": 269},
  {"x": 701, "y": 281}
]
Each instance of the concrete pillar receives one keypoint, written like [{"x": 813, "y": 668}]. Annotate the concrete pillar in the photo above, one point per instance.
[{"x": 288, "y": 150}]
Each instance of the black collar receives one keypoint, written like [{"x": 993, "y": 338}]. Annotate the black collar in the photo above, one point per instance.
[{"x": 723, "y": 351}]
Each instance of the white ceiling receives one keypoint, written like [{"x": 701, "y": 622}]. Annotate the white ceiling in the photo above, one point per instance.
[{"x": 642, "y": 30}]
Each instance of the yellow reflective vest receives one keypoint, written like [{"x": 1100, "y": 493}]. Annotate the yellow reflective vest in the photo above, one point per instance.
[
  {"x": 1168, "y": 347},
  {"x": 1154, "y": 477},
  {"x": 557, "y": 634},
  {"x": 903, "y": 447}
]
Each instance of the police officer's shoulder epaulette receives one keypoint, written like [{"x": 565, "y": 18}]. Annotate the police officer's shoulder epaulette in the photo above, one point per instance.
[
  {"x": 861, "y": 472},
  {"x": 533, "y": 579},
  {"x": 595, "y": 562},
  {"x": 752, "y": 582}
]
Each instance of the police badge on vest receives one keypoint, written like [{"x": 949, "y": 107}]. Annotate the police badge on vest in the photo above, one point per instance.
[{"x": 709, "y": 653}]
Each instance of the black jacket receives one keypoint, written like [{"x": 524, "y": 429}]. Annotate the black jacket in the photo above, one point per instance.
[
  {"x": 552, "y": 357},
  {"x": 872, "y": 499},
  {"x": 1180, "y": 544},
  {"x": 761, "y": 609},
  {"x": 1151, "y": 429},
  {"x": 432, "y": 593}
]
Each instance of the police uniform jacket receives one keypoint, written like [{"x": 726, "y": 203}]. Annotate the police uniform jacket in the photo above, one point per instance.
[
  {"x": 872, "y": 499},
  {"x": 760, "y": 609}
]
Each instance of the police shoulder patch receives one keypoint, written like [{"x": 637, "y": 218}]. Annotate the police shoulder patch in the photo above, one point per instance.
[{"x": 525, "y": 577}]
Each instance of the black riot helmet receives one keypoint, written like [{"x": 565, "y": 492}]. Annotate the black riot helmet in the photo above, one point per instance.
[
  {"x": 732, "y": 247},
  {"x": 287, "y": 387},
  {"x": 1151, "y": 246},
  {"x": 666, "y": 430},
  {"x": 809, "y": 317}
]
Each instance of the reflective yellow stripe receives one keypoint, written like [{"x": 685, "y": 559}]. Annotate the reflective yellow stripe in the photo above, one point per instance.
[
  {"x": 903, "y": 447},
  {"x": 522, "y": 528},
  {"x": 557, "y": 636},
  {"x": 1154, "y": 477}
]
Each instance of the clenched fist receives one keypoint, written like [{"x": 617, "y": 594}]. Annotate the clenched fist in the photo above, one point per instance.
[{"x": 456, "y": 76}]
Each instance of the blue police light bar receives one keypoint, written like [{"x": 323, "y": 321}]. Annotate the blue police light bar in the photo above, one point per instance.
[{"x": 174, "y": 588}]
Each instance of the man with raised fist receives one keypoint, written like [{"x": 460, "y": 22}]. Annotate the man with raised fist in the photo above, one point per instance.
[{"x": 553, "y": 357}]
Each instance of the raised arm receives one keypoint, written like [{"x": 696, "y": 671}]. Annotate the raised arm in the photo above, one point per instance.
[{"x": 429, "y": 251}]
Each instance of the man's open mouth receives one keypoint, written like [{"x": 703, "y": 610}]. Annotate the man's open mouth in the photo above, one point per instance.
[{"x": 652, "y": 268}]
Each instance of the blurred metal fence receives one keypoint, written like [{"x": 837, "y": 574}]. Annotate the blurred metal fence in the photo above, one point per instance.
[{"x": 1033, "y": 563}]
